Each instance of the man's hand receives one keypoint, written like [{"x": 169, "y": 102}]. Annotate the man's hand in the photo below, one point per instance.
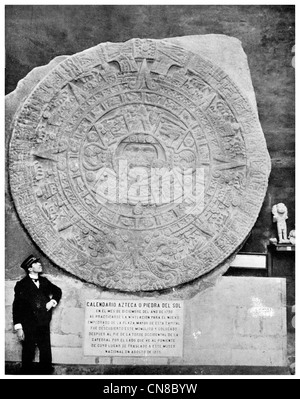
[
  {"x": 51, "y": 304},
  {"x": 20, "y": 334}
]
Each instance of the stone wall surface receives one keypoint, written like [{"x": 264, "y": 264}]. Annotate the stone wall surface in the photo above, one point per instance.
[{"x": 239, "y": 322}]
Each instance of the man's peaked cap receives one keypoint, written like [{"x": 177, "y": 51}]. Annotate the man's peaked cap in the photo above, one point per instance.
[{"x": 28, "y": 262}]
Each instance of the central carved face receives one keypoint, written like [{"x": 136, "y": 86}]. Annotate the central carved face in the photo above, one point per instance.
[
  {"x": 142, "y": 153},
  {"x": 141, "y": 150}
]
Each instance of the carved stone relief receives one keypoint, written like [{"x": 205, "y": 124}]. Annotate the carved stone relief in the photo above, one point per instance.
[{"x": 114, "y": 118}]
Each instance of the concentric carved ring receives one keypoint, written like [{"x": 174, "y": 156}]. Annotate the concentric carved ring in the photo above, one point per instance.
[{"x": 106, "y": 154}]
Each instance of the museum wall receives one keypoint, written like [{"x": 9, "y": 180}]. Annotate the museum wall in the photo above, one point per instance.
[{"x": 37, "y": 34}]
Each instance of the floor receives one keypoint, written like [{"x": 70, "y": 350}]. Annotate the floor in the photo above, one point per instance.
[{"x": 13, "y": 368}]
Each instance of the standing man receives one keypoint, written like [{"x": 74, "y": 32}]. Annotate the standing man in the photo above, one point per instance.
[{"x": 35, "y": 297}]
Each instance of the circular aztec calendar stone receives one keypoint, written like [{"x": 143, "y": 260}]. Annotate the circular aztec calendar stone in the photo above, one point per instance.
[{"x": 137, "y": 166}]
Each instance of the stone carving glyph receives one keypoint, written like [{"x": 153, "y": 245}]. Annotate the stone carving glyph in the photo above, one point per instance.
[{"x": 121, "y": 113}]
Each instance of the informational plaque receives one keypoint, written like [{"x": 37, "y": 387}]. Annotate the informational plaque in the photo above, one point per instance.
[{"x": 133, "y": 328}]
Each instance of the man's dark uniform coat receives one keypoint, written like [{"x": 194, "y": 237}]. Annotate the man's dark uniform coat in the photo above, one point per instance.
[{"x": 29, "y": 309}]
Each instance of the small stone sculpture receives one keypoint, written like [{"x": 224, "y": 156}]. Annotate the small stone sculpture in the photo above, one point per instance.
[
  {"x": 280, "y": 214},
  {"x": 292, "y": 237}
]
